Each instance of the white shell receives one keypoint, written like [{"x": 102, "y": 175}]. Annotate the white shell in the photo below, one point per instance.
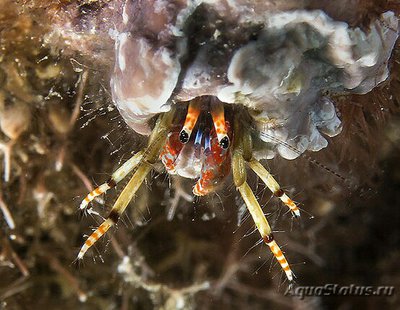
[{"x": 280, "y": 73}]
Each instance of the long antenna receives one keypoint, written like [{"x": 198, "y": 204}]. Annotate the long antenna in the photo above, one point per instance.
[{"x": 308, "y": 157}]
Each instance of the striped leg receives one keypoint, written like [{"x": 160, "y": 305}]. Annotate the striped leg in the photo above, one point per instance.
[
  {"x": 218, "y": 116},
  {"x": 192, "y": 115},
  {"x": 149, "y": 156},
  {"x": 273, "y": 185},
  {"x": 115, "y": 178},
  {"x": 241, "y": 150},
  {"x": 239, "y": 175},
  {"x": 119, "y": 207}
]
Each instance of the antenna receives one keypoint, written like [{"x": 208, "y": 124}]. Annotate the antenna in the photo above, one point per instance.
[{"x": 308, "y": 157}]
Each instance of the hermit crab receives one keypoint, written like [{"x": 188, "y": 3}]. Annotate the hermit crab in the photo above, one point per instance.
[{"x": 219, "y": 87}]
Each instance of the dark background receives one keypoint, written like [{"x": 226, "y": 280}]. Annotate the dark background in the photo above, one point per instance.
[{"x": 56, "y": 110}]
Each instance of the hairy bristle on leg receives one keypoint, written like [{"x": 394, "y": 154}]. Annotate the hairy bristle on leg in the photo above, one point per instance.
[
  {"x": 273, "y": 185},
  {"x": 256, "y": 212},
  {"x": 263, "y": 227},
  {"x": 96, "y": 235},
  {"x": 150, "y": 156},
  {"x": 115, "y": 178}
]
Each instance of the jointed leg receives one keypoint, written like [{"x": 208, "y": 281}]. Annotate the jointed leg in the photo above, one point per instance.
[
  {"x": 149, "y": 156},
  {"x": 273, "y": 185},
  {"x": 260, "y": 219},
  {"x": 263, "y": 227},
  {"x": 115, "y": 178},
  {"x": 119, "y": 207},
  {"x": 239, "y": 178}
]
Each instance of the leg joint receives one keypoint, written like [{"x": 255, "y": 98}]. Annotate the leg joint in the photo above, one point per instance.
[
  {"x": 268, "y": 238},
  {"x": 114, "y": 216},
  {"x": 279, "y": 193},
  {"x": 111, "y": 182}
]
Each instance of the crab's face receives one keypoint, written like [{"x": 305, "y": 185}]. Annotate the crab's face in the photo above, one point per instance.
[{"x": 200, "y": 147}]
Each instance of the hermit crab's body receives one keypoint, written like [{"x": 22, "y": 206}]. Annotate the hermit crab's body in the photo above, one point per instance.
[
  {"x": 200, "y": 149},
  {"x": 244, "y": 85}
]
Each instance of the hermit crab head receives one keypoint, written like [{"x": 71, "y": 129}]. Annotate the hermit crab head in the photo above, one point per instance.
[{"x": 231, "y": 85}]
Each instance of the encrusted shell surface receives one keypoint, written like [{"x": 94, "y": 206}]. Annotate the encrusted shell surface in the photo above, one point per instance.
[{"x": 278, "y": 64}]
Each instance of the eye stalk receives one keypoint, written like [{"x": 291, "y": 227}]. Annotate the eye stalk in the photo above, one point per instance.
[
  {"x": 192, "y": 115},
  {"x": 184, "y": 136},
  {"x": 224, "y": 143}
]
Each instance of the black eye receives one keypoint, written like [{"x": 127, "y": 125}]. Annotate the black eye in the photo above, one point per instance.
[
  {"x": 184, "y": 136},
  {"x": 224, "y": 143}
]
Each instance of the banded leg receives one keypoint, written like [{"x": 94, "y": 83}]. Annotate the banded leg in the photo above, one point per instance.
[
  {"x": 241, "y": 151},
  {"x": 192, "y": 115},
  {"x": 119, "y": 207},
  {"x": 115, "y": 178},
  {"x": 273, "y": 186},
  {"x": 150, "y": 156},
  {"x": 218, "y": 116},
  {"x": 239, "y": 175}
]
